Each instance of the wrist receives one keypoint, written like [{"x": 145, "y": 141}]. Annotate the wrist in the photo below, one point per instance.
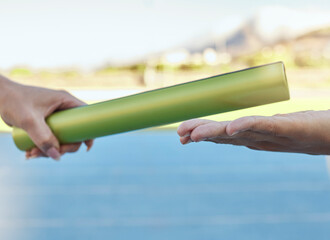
[{"x": 6, "y": 90}]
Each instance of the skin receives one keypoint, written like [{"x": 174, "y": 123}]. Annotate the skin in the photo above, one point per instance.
[
  {"x": 27, "y": 107},
  {"x": 301, "y": 132}
]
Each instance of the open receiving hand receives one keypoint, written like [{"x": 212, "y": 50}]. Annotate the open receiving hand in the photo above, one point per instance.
[
  {"x": 301, "y": 132},
  {"x": 27, "y": 107}
]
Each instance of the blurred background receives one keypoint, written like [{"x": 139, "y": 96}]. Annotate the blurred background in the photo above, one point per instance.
[{"x": 145, "y": 185}]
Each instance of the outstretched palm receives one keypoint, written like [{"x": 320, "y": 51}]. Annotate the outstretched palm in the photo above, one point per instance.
[{"x": 301, "y": 132}]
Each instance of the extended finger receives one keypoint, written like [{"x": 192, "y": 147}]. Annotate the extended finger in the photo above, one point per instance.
[
  {"x": 34, "y": 153},
  {"x": 186, "y": 127},
  {"x": 209, "y": 130},
  {"x": 42, "y": 136},
  {"x": 260, "y": 124},
  {"x": 185, "y": 140},
  {"x": 89, "y": 144},
  {"x": 69, "y": 148}
]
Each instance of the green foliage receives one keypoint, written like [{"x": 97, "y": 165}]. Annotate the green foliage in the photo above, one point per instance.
[
  {"x": 306, "y": 60},
  {"x": 188, "y": 67},
  {"x": 139, "y": 68},
  {"x": 70, "y": 74},
  {"x": 20, "y": 72},
  {"x": 160, "y": 67},
  {"x": 268, "y": 56},
  {"x": 44, "y": 74},
  {"x": 291, "y": 60},
  {"x": 107, "y": 70}
]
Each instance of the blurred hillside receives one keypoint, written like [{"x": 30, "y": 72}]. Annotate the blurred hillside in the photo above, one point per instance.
[
  {"x": 267, "y": 27},
  {"x": 298, "y": 38}
]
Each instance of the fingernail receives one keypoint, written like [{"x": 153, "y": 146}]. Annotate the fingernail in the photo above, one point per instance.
[
  {"x": 53, "y": 153},
  {"x": 234, "y": 133},
  {"x": 187, "y": 135},
  {"x": 189, "y": 141}
]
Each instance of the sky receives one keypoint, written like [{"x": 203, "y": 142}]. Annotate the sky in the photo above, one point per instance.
[{"x": 90, "y": 33}]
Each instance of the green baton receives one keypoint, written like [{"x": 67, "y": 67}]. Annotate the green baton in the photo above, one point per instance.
[{"x": 222, "y": 93}]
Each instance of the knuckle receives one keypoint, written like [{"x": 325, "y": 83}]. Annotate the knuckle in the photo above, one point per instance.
[
  {"x": 271, "y": 127},
  {"x": 245, "y": 122},
  {"x": 181, "y": 129},
  {"x": 253, "y": 121},
  {"x": 46, "y": 142},
  {"x": 241, "y": 120},
  {"x": 27, "y": 121},
  {"x": 64, "y": 92},
  {"x": 195, "y": 136}
]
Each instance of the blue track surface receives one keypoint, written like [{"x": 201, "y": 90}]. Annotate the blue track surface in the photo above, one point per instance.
[{"x": 145, "y": 185}]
